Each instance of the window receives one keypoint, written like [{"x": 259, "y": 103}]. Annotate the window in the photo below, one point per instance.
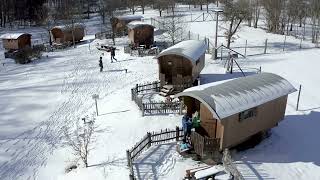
[
  {"x": 169, "y": 63},
  {"x": 247, "y": 114}
]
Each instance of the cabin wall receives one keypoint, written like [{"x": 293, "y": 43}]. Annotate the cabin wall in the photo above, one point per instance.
[
  {"x": 60, "y": 36},
  {"x": 198, "y": 67},
  {"x": 57, "y": 36},
  {"x": 268, "y": 116},
  {"x": 143, "y": 35},
  {"x": 10, "y": 44},
  {"x": 179, "y": 72},
  {"x": 15, "y": 44},
  {"x": 24, "y": 41}
]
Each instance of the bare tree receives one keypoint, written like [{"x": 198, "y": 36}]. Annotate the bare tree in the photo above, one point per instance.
[
  {"x": 174, "y": 28},
  {"x": 274, "y": 10},
  {"x": 81, "y": 139},
  {"x": 235, "y": 13}
]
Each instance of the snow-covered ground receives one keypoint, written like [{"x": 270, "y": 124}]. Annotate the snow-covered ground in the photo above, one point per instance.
[{"x": 38, "y": 99}]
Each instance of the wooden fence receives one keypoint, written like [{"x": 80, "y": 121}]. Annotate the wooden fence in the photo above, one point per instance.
[
  {"x": 151, "y": 138},
  {"x": 204, "y": 145},
  {"x": 153, "y": 108}
]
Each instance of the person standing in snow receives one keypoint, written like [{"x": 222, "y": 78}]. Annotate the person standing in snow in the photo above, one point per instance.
[
  {"x": 101, "y": 64},
  {"x": 113, "y": 53}
]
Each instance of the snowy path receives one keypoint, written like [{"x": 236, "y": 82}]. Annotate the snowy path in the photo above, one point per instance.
[{"x": 29, "y": 150}]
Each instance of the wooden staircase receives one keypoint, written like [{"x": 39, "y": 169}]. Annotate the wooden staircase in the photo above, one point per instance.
[{"x": 166, "y": 90}]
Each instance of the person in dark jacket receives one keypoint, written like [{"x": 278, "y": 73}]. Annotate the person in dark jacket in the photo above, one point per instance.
[
  {"x": 113, "y": 53},
  {"x": 186, "y": 125},
  {"x": 101, "y": 64}
]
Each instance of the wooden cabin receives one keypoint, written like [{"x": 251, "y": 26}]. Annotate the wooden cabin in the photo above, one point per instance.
[
  {"x": 16, "y": 41},
  {"x": 141, "y": 33},
  {"x": 234, "y": 111},
  {"x": 180, "y": 65},
  {"x": 63, "y": 34},
  {"x": 119, "y": 23}
]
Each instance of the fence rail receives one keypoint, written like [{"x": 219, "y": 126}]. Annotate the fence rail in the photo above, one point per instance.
[
  {"x": 150, "y": 139},
  {"x": 153, "y": 108}
]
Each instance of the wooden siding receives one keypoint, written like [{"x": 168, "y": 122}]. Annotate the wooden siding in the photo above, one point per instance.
[
  {"x": 60, "y": 36},
  {"x": 15, "y": 44},
  {"x": 268, "y": 116},
  {"x": 142, "y": 35},
  {"x": 181, "y": 71}
]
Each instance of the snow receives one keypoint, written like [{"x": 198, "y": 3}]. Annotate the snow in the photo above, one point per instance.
[
  {"x": 207, "y": 172},
  {"x": 68, "y": 26},
  {"x": 190, "y": 49},
  {"x": 38, "y": 99},
  {"x": 130, "y": 17},
  {"x": 11, "y": 35},
  {"x": 240, "y": 94},
  {"x": 135, "y": 24}
]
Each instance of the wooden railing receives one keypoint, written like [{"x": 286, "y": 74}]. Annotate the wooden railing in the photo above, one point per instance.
[
  {"x": 153, "y": 108},
  {"x": 204, "y": 145},
  {"x": 151, "y": 138}
]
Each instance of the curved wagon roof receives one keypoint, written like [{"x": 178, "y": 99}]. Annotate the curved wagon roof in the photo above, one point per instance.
[
  {"x": 135, "y": 24},
  {"x": 190, "y": 49},
  {"x": 13, "y": 35},
  {"x": 235, "y": 96}
]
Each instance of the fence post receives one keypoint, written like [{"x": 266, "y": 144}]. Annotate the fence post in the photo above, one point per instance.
[
  {"x": 298, "y": 101},
  {"x": 198, "y": 37},
  {"x": 203, "y": 16},
  {"x": 149, "y": 139},
  {"x": 245, "y": 49},
  {"x": 131, "y": 94},
  {"x": 131, "y": 175},
  {"x": 142, "y": 108},
  {"x": 177, "y": 133},
  {"x": 221, "y": 53},
  {"x": 301, "y": 43},
  {"x": 260, "y": 69},
  {"x": 265, "y": 46},
  {"x": 189, "y": 35},
  {"x": 284, "y": 42}
]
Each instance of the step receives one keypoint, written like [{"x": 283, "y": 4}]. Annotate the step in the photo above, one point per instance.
[
  {"x": 163, "y": 94},
  {"x": 165, "y": 90},
  {"x": 168, "y": 87}
]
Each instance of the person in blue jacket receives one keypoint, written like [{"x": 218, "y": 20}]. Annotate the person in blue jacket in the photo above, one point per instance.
[{"x": 186, "y": 125}]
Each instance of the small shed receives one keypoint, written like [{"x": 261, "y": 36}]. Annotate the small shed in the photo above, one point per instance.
[
  {"x": 16, "y": 41},
  {"x": 141, "y": 33},
  {"x": 233, "y": 111},
  {"x": 119, "y": 23},
  {"x": 63, "y": 34},
  {"x": 180, "y": 65}
]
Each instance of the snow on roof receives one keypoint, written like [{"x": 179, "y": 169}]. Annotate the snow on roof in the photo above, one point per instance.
[
  {"x": 69, "y": 26},
  {"x": 134, "y": 24},
  {"x": 130, "y": 17},
  {"x": 190, "y": 49},
  {"x": 241, "y": 94},
  {"x": 13, "y": 35}
]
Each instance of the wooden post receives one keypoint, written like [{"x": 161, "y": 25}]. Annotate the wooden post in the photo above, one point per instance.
[
  {"x": 245, "y": 48},
  {"x": 142, "y": 106},
  {"x": 260, "y": 69},
  {"x": 265, "y": 46},
  {"x": 189, "y": 35},
  {"x": 129, "y": 158},
  {"x": 231, "y": 71},
  {"x": 149, "y": 139},
  {"x": 221, "y": 52},
  {"x": 298, "y": 101},
  {"x": 203, "y": 16},
  {"x": 198, "y": 37},
  {"x": 284, "y": 42},
  {"x": 177, "y": 133},
  {"x": 301, "y": 43}
]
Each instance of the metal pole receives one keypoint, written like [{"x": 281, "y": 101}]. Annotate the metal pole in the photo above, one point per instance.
[
  {"x": 96, "y": 106},
  {"x": 245, "y": 49},
  {"x": 216, "y": 39},
  {"x": 298, "y": 101}
]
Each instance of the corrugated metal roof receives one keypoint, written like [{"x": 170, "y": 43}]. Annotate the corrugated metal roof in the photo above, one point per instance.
[
  {"x": 12, "y": 35},
  {"x": 238, "y": 95},
  {"x": 134, "y": 24},
  {"x": 190, "y": 49}
]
